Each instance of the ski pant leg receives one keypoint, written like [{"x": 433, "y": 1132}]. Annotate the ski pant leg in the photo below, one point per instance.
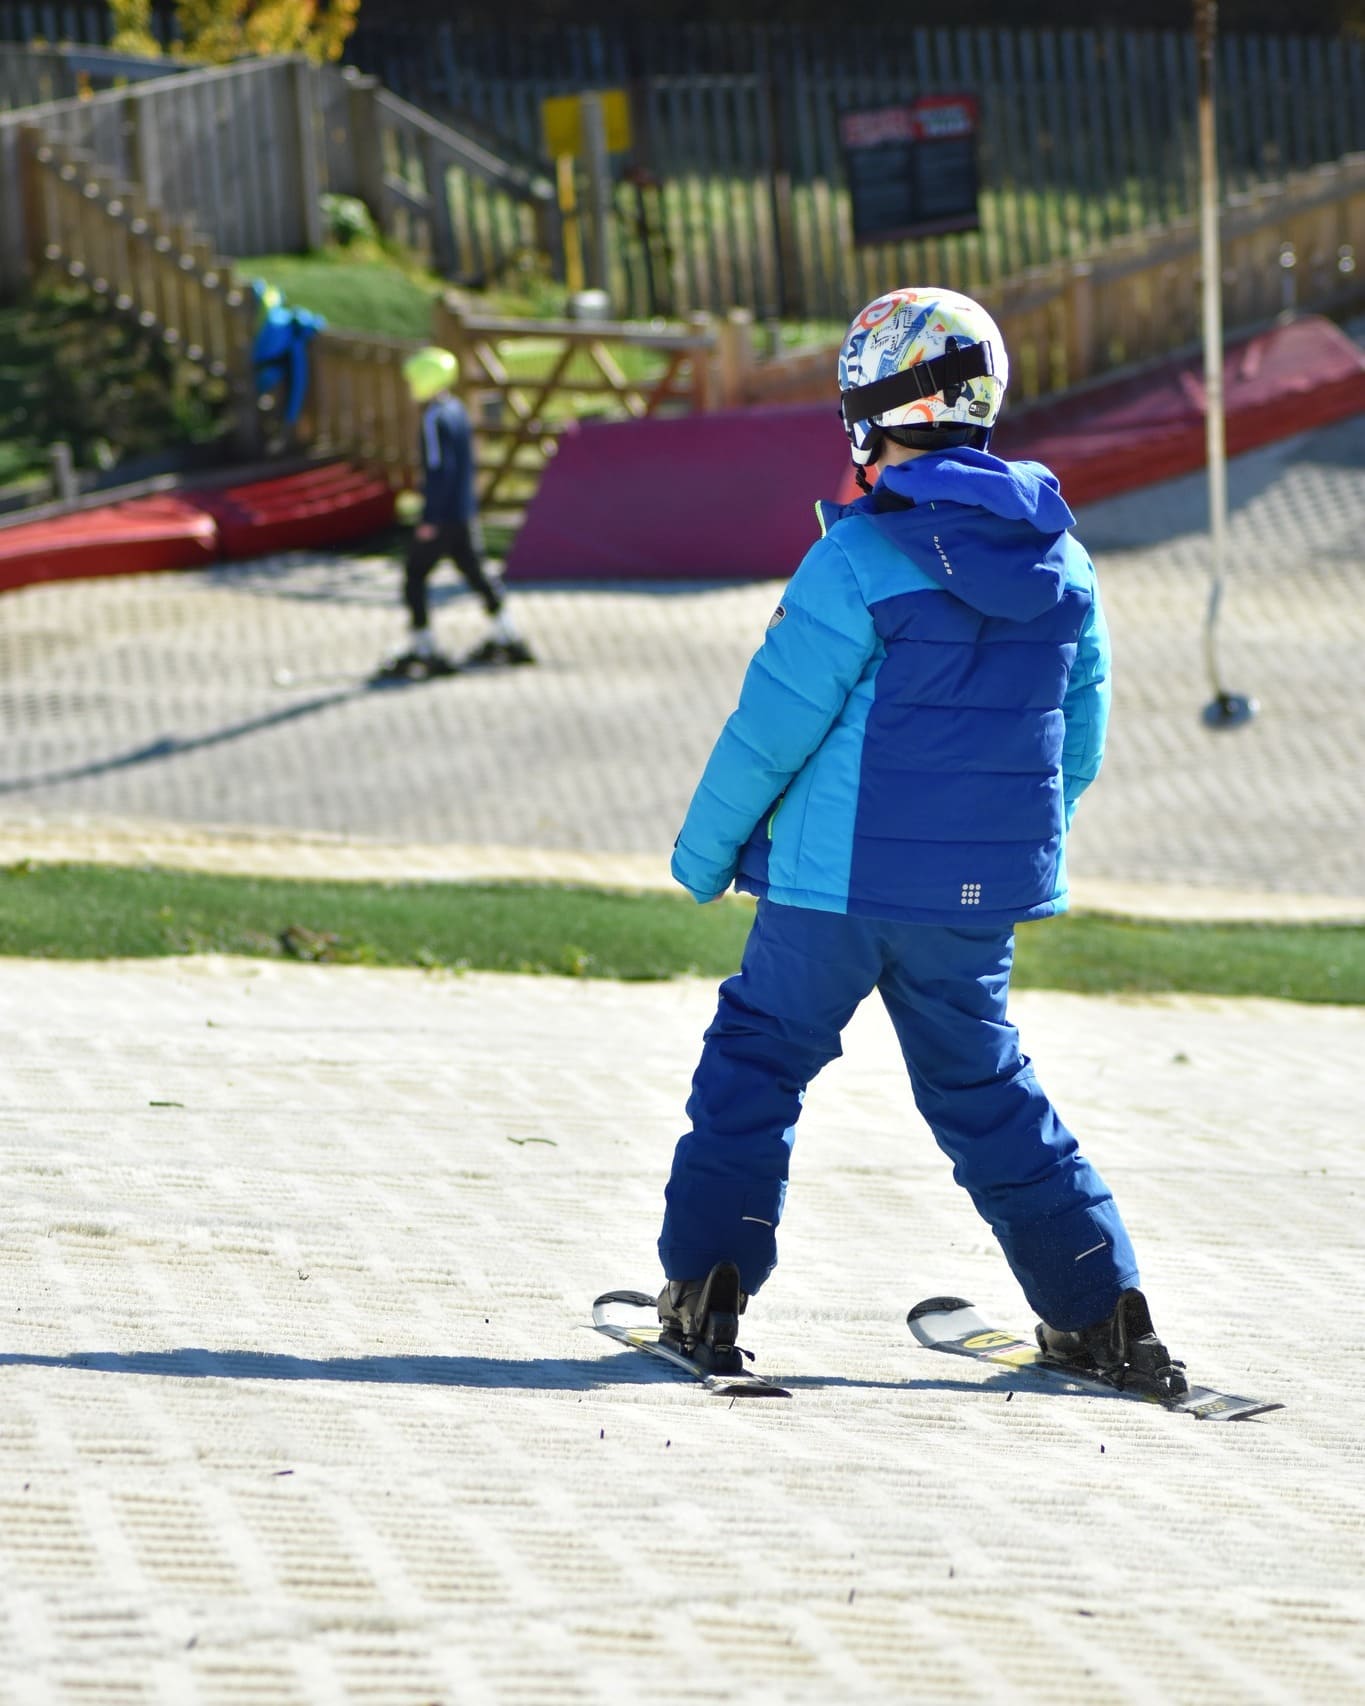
[
  {"x": 460, "y": 542},
  {"x": 423, "y": 556},
  {"x": 777, "y": 1023},
  {"x": 946, "y": 990}
]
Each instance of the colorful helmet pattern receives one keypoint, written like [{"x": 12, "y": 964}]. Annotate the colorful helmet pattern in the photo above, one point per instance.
[
  {"x": 430, "y": 372},
  {"x": 886, "y": 379}
]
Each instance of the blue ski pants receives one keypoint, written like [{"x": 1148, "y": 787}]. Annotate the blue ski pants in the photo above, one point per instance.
[{"x": 779, "y": 1021}]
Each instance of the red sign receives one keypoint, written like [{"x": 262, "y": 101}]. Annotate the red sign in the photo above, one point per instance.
[{"x": 922, "y": 120}]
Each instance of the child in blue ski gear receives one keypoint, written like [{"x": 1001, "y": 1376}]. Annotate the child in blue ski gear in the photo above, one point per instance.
[
  {"x": 449, "y": 527},
  {"x": 896, "y": 785}
]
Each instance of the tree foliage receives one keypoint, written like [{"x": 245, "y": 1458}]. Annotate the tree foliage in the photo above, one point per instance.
[
  {"x": 223, "y": 29},
  {"x": 220, "y": 30},
  {"x": 132, "y": 27}
]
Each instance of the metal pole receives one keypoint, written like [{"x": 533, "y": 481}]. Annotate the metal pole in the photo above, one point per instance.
[
  {"x": 599, "y": 188},
  {"x": 1227, "y": 710}
]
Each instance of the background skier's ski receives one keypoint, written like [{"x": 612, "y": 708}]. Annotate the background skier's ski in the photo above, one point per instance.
[
  {"x": 632, "y": 1318},
  {"x": 952, "y": 1324}
]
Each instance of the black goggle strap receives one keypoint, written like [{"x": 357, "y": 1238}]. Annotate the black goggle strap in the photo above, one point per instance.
[{"x": 947, "y": 373}]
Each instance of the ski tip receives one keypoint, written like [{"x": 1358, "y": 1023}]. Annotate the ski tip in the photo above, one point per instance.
[{"x": 937, "y": 1306}]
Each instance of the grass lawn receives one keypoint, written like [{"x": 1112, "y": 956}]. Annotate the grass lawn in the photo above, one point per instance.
[
  {"x": 105, "y": 912},
  {"x": 352, "y": 293}
]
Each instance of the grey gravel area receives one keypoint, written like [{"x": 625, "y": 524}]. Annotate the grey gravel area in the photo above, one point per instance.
[{"x": 236, "y": 698}]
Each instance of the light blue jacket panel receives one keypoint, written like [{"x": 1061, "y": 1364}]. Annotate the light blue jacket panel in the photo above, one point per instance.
[{"x": 926, "y": 709}]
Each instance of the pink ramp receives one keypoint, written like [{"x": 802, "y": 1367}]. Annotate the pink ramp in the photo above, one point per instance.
[
  {"x": 729, "y": 496},
  {"x": 705, "y": 497}
]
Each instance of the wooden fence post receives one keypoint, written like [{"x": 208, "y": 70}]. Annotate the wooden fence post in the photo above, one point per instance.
[
  {"x": 1079, "y": 308},
  {"x": 239, "y": 316},
  {"x": 144, "y": 150},
  {"x": 444, "y": 251},
  {"x": 304, "y": 104},
  {"x": 367, "y": 147},
  {"x": 734, "y": 358},
  {"x": 33, "y": 202},
  {"x": 704, "y": 376}
]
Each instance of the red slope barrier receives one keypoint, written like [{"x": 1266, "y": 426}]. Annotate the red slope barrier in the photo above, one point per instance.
[
  {"x": 331, "y": 505},
  {"x": 728, "y": 496},
  {"x": 131, "y": 538},
  {"x": 324, "y": 506},
  {"x": 1150, "y": 426}
]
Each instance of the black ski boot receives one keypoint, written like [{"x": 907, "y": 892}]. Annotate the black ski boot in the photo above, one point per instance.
[
  {"x": 700, "y": 1318},
  {"x": 1124, "y": 1349},
  {"x": 494, "y": 652},
  {"x": 415, "y": 666}
]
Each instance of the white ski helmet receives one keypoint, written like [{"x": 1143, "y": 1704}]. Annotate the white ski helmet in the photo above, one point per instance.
[{"x": 924, "y": 366}]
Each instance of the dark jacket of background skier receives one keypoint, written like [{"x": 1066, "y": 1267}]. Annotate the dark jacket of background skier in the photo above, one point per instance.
[{"x": 448, "y": 464}]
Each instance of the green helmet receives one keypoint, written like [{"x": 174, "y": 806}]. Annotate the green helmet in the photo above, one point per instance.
[{"x": 430, "y": 372}]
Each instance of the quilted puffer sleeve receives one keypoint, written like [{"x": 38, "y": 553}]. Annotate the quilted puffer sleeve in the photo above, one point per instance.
[
  {"x": 1086, "y": 707},
  {"x": 816, "y": 648}
]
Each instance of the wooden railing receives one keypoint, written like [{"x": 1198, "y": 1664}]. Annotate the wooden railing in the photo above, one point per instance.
[
  {"x": 358, "y": 405},
  {"x": 167, "y": 276},
  {"x": 527, "y": 380},
  {"x": 253, "y": 147},
  {"x": 471, "y": 212},
  {"x": 32, "y": 76}
]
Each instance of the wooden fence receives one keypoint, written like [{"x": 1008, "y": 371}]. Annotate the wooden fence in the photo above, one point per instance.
[
  {"x": 736, "y": 190},
  {"x": 527, "y": 380},
  {"x": 1298, "y": 245},
  {"x": 82, "y": 204},
  {"x": 1294, "y": 247},
  {"x": 165, "y": 275},
  {"x": 735, "y": 193},
  {"x": 253, "y": 147},
  {"x": 471, "y": 212},
  {"x": 33, "y": 76},
  {"x": 524, "y": 380}
]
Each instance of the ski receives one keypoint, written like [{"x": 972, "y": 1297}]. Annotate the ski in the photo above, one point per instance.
[
  {"x": 631, "y": 1318},
  {"x": 952, "y": 1324}
]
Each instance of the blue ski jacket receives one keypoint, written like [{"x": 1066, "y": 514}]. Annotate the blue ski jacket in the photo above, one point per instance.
[
  {"x": 447, "y": 463},
  {"x": 927, "y": 707}
]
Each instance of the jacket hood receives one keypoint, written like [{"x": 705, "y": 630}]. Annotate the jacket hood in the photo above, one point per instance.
[{"x": 993, "y": 533}]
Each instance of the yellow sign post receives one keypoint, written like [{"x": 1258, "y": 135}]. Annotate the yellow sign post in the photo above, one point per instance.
[
  {"x": 569, "y": 139},
  {"x": 561, "y": 119}
]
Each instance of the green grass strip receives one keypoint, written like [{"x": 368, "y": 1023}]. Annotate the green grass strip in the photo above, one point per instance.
[{"x": 116, "y": 912}]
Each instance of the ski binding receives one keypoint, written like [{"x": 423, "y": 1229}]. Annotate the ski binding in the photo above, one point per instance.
[
  {"x": 952, "y": 1324},
  {"x": 632, "y": 1318}
]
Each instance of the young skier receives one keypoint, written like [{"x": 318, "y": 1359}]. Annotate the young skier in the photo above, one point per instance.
[
  {"x": 896, "y": 785},
  {"x": 449, "y": 527}
]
